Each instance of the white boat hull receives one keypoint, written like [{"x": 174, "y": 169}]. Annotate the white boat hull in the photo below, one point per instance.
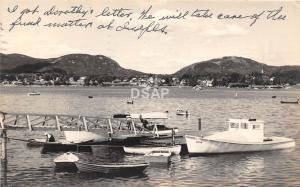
[
  {"x": 198, "y": 145},
  {"x": 165, "y": 132},
  {"x": 83, "y": 136},
  {"x": 147, "y": 149}
]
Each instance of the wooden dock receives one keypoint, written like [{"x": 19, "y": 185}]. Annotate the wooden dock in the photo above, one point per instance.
[{"x": 58, "y": 122}]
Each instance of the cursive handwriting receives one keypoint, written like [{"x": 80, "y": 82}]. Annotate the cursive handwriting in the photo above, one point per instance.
[
  {"x": 118, "y": 12},
  {"x": 142, "y": 29},
  {"x": 71, "y": 23},
  {"x": 145, "y": 14},
  {"x": 19, "y": 22},
  {"x": 178, "y": 15},
  {"x": 202, "y": 13},
  {"x": 73, "y": 10},
  {"x": 122, "y": 19}
]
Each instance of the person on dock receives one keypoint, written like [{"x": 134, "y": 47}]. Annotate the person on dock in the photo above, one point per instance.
[{"x": 49, "y": 137}]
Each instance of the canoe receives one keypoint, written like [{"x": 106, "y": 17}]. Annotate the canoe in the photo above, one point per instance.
[
  {"x": 148, "y": 149},
  {"x": 111, "y": 168}
]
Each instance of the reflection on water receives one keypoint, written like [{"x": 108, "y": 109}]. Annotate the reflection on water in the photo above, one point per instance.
[{"x": 27, "y": 166}]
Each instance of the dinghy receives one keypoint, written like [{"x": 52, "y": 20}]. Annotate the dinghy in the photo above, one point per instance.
[
  {"x": 66, "y": 162},
  {"x": 243, "y": 135},
  {"x": 143, "y": 149},
  {"x": 158, "y": 156}
]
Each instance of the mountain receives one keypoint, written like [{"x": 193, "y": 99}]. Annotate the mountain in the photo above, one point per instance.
[
  {"x": 78, "y": 64},
  {"x": 244, "y": 66}
]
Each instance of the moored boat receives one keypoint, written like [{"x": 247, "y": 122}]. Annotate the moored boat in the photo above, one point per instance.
[
  {"x": 243, "y": 135},
  {"x": 145, "y": 149},
  {"x": 181, "y": 112},
  {"x": 290, "y": 102}
]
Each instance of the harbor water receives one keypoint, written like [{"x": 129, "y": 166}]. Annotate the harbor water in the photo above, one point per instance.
[{"x": 28, "y": 167}]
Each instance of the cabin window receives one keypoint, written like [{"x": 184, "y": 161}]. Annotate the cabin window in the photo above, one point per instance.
[
  {"x": 244, "y": 125},
  {"x": 257, "y": 127},
  {"x": 234, "y": 125}
]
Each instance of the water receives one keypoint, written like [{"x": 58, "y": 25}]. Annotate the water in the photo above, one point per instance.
[{"x": 28, "y": 167}]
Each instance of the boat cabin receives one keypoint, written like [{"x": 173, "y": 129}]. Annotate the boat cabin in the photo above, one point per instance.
[{"x": 249, "y": 130}]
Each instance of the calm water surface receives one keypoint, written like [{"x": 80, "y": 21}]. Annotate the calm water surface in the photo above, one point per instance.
[{"x": 28, "y": 167}]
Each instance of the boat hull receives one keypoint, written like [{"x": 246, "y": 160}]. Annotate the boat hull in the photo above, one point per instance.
[
  {"x": 148, "y": 149},
  {"x": 84, "y": 136},
  {"x": 108, "y": 169},
  {"x": 157, "y": 159},
  {"x": 198, "y": 145}
]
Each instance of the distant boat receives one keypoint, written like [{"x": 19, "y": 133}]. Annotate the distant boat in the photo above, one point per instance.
[
  {"x": 243, "y": 135},
  {"x": 181, "y": 112},
  {"x": 90, "y": 97},
  {"x": 34, "y": 93},
  {"x": 145, "y": 149},
  {"x": 111, "y": 168},
  {"x": 290, "y": 102},
  {"x": 158, "y": 156},
  {"x": 274, "y": 96},
  {"x": 130, "y": 102}
]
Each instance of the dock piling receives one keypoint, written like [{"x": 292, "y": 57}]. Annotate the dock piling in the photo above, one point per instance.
[{"x": 199, "y": 124}]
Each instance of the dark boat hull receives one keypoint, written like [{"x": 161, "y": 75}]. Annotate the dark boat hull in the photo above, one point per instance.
[{"x": 111, "y": 169}]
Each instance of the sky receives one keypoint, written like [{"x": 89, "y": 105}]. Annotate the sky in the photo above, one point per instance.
[{"x": 189, "y": 40}]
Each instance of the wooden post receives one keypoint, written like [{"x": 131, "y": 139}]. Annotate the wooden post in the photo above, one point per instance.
[
  {"x": 84, "y": 123},
  {"x": 28, "y": 122},
  {"x": 155, "y": 130},
  {"x": 199, "y": 124},
  {"x": 110, "y": 126},
  {"x": 2, "y": 122},
  {"x": 3, "y": 146},
  {"x": 133, "y": 127},
  {"x": 57, "y": 123},
  {"x": 173, "y": 137}
]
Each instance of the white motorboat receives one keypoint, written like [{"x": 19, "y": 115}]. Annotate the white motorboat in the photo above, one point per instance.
[
  {"x": 158, "y": 156},
  {"x": 143, "y": 149},
  {"x": 243, "y": 135}
]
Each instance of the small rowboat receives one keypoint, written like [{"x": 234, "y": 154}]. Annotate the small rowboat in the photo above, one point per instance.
[
  {"x": 158, "y": 156},
  {"x": 148, "y": 149},
  {"x": 111, "y": 168},
  {"x": 66, "y": 162}
]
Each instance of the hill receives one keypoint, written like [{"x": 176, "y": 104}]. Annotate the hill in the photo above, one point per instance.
[
  {"x": 225, "y": 66},
  {"x": 77, "y": 64}
]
